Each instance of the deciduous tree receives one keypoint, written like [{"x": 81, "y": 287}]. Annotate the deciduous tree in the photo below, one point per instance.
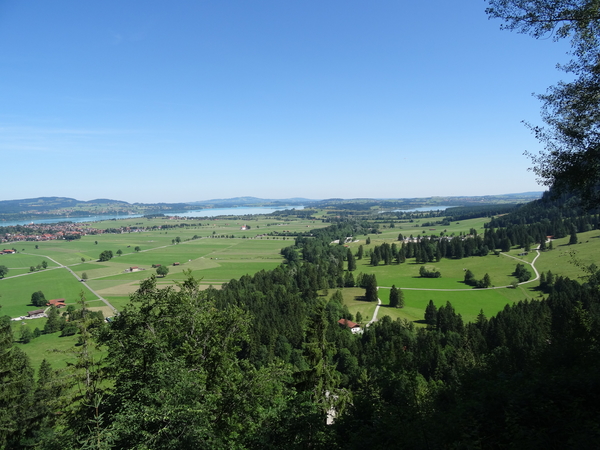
[
  {"x": 571, "y": 110},
  {"x": 106, "y": 255}
]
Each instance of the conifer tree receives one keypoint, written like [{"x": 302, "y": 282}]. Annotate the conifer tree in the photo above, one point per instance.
[
  {"x": 431, "y": 314},
  {"x": 359, "y": 253},
  {"x": 573, "y": 238},
  {"x": 351, "y": 261},
  {"x": 394, "y": 297}
]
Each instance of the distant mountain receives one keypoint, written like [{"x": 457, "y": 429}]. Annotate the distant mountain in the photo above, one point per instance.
[
  {"x": 410, "y": 203},
  {"x": 64, "y": 207},
  {"x": 40, "y": 204}
]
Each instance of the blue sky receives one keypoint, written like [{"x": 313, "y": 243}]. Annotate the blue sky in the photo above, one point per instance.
[{"x": 155, "y": 101}]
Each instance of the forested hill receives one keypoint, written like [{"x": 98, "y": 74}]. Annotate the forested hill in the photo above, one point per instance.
[
  {"x": 550, "y": 207},
  {"x": 49, "y": 203},
  {"x": 63, "y": 207},
  {"x": 365, "y": 204}
]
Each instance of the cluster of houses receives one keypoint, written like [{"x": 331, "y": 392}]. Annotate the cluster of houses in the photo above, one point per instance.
[
  {"x": 44, "y": 232},
  {"x": 39, "y": 313}
]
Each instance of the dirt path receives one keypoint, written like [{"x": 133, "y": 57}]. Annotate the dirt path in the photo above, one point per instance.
[{"x": 374, "y": 319}]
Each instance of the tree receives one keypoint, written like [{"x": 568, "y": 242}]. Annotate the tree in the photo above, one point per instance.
[
  {"x": 351, "y": 261},
  {"x": 487, "y": 281},
  {"x": 16, "y": 389},
  {"x": 431, "y": 314},
  {"x": 106, "y": 255},
  {"x": 3, "y": 271},
  {"x": 349, "y": 280},
  {"x": 96, "y": 242},
  {"x": 187, "y": 371},
  {"x": 359, "y": 317},
  {"x": 396, "y": 297},
  {"x": 469, "y": 277},
  {"x": 571, "y": 159},
  {"x": 162, "y": 271},
  {"x": 26, "y": 335},
  {"x": 573, "y": 238},
  {"x": 84, "y": 276},
  {"x": 370, "y": 285},
  {"x": 38, "y": 299},
  {"x": 368, "y": 240},
  {"x": 55, "y": 322},
  {"x": 137, "y": 248},
  {"x": 359, "y": 253},
  {"x": 178, "y": 239},
  {"x": 44, "y": 264},
  {"x": 119, "y": 252}
]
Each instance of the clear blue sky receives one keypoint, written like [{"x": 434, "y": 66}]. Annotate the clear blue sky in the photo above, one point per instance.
[{"x": 148, "y": 101}]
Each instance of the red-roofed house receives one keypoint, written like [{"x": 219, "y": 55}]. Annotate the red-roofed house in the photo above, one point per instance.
[
  {"x": 354, "y": 327},
  {"x": 58, "y": 302}
]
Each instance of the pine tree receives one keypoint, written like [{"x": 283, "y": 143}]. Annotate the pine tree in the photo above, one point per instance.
[
  {"x": 431, "y": 314},
  {"x": 351, "y": 261},
  {"x": 487, "y": 282},
  {"x": 54, "y": 322},
  {"x": 16, "y": 393},
  {"x": 359, "y": 253},
  {"x": 370, "y": 288},
  {"x": 573, "y": 238},
  {"x": 394, "y": 297}
]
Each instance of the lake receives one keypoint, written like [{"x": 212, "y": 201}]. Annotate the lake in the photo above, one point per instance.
[{"x": 213, "y": 212}]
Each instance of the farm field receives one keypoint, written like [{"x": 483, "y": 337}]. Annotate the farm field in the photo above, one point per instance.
[{"x": 211, "y": 258}]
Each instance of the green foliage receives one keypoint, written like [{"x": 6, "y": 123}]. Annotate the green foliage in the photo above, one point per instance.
[
  {"x": 3, "y": 271},
  {"x": 26, "y": 335},
  {"x": 369, "y": 282},
  {"x": 431, "y": 314},
  {"x": 570, "y": 109},
  {"x": 522, "y": 273},
  {"x": 162, "y": 270},
  {"x": 573, "y": 238},
  {"x": 106, "y": 255},
  {"x": 396, "y": 297},
  {"x": 38, "y": 299},
  {"x": 186, "y": 370},
  {"x": 424, "y": 273},
  {"x": 55, "y": 321}
]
